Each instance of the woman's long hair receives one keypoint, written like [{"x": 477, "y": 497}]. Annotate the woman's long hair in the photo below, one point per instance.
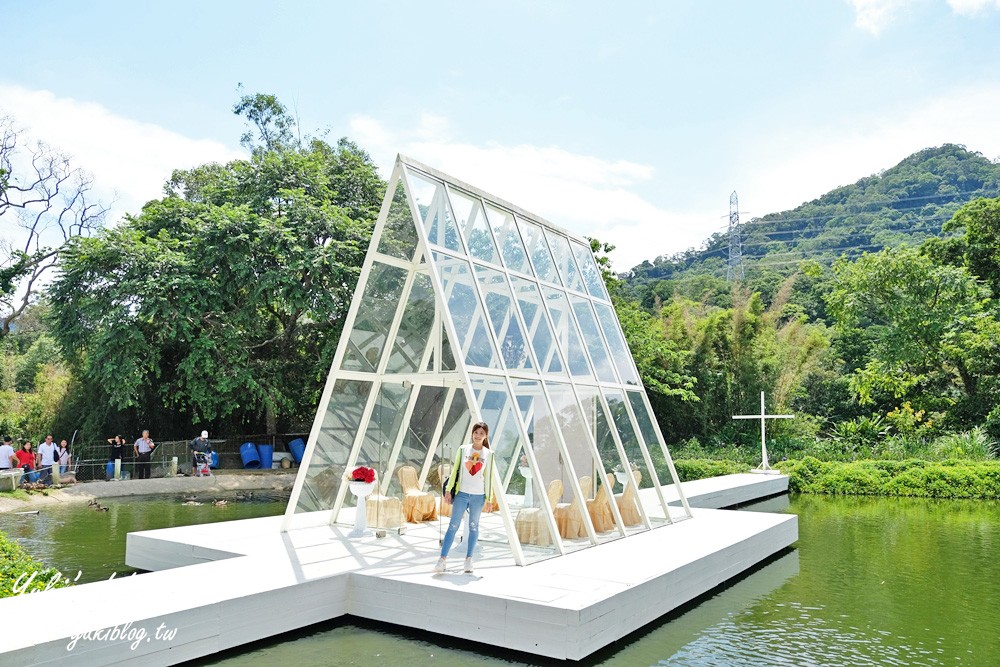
[{"x": 485, "y": 427}]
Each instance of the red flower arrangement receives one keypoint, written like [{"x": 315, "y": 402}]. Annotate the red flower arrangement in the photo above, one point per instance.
[{"x": 363, "y": 474}]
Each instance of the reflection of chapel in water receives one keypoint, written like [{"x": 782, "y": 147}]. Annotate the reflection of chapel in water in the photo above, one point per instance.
[{"x": 470, "y": 309}]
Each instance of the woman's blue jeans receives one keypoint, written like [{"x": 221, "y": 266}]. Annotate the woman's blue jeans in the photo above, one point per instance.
[{"x": 461, "y": 503}]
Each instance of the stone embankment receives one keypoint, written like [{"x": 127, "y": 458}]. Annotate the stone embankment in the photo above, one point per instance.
[{"x": 224, "y": 480}]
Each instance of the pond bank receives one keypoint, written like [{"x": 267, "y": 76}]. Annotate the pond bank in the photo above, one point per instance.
[{"x": 223, "y": 480}]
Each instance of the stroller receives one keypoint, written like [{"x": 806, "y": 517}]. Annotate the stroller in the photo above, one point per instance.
[{"x": 203, "y": 464}]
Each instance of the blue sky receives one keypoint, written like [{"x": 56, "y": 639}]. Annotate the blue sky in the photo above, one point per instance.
[{"x": 630, "y": 121}]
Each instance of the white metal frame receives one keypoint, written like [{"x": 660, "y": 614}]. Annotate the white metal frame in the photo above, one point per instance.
[{"x": 423, "y": 261}]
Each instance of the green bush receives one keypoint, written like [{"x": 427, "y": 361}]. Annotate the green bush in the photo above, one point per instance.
[
  {"x": 934, "y": 479},
  {"x": 691, "y": 469},
  {"x": 17, "y": 568}
]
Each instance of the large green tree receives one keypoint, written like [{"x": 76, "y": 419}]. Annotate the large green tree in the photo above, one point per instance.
[
  {"x": 928, "y": 331},
  {"x": 225, "y": 298}
]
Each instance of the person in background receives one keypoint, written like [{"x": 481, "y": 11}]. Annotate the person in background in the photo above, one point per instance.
[
  {"x": 116, "y": 443},
  {"x": 7, "y": 458},
  {"x": 25, "y": 457},
  {"x": 200, "y": 444},
  {"x": 63, "y": 457},
  {"x": 143, "y": 449},
  {"x": 46, "y": 459}
]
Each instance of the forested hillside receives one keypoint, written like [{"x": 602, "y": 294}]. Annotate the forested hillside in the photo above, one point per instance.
[
  {"x": 871, "y": 313},
  {"x": 907, "y": 203}
]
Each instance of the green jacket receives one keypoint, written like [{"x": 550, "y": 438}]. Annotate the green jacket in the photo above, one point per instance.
[{"x": 455, "y": 481}]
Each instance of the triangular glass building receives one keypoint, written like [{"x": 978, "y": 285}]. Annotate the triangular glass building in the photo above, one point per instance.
[{"x": 468, "y": 309}]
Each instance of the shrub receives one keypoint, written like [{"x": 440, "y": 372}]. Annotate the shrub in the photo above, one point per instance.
[
  {"x": 934, "y": 479},
  {"x": 691, "y": 469}
]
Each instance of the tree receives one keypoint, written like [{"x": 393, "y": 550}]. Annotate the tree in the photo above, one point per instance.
[
  {"x": 224, "y": 299},
  {"x": 930, "y": 332},
  {"x": 44, "y": 202}
]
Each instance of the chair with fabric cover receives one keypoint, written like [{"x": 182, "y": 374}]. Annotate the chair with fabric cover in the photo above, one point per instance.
[
  {"x": 569, "y": 516},
  {"x": 600, "y": 507},
  {"x": 383, "y": 511},
  {"x": 418, "y": 505},
  {"x": 628, "y": 501},
  {"x": 530, "y": 522}
]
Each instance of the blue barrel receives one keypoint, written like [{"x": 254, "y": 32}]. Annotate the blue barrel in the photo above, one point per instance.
[
  {"x": 248, "y": 452},
  {"x": 215, "y": 460},
  {"x": 298, "y": 449},
  {"x": 266, "y": 453},
  {"x": 110, "y": 470}
]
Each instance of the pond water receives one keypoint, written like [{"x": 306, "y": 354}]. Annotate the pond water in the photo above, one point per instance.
[{"x": 871, "y": 581}]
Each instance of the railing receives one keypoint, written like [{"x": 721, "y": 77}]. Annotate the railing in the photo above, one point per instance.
[{"x": 91, "y": 459}]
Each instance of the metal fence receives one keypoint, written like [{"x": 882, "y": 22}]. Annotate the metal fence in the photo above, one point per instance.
[{"x": 91, "y": 459}]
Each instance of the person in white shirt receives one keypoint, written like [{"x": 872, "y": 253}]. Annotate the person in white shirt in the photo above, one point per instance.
[
  {"x": 63, "y": 456},
  {"x": 470, "y": 484},
  {"x": 46, "y": 458},
  {"x": 7, "y": 459}
]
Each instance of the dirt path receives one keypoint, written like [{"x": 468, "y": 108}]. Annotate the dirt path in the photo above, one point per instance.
[{"x": 270, "y": 480}]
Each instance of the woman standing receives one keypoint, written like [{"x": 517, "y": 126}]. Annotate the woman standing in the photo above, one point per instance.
[
  {"x": 470, "y": 484},
  {"x": 63, "y": 456}
]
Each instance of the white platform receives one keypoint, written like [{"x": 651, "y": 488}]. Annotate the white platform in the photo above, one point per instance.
[{"x": 250, "y": 581}]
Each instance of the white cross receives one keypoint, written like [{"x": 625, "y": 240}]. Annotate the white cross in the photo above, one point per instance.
[{"x": 763, "y": 467}]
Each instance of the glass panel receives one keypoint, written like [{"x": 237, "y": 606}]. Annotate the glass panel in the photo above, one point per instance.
[
  {"x": 427, "y": 412},
  {"x": 648, "y": 432},
  {"x": 601, "y": 428},
  {"x": 619, "y": 350},
  {"x": 333, "y": 445},
  {"x": 499, "y": 412},
  {"x": 538, "y": 251},
  {"x": 588, "y": 267},
  {"x": 633, "y": 450},
  {"x": 589, "y": 469},
  {"x": 447, "y": 356},
  {"x": 375, "y": 315},
  {"x": 466, "y": 313},
  {"x": 552, "y": 466},
  {"x": 380, "y": 438},
  {"x": 499, "y": 306},
  {"x": 530, "y": 303},
  {"x": 472, "y": 221},
  {"x": 566, "y": 332},
  {"x": 399, "y": 236},
  {"x": 505, "y": 231},
  {"x": 592, "y": 336},
  {"x": 415, "y": 328},
  {"x": 563, "y": 258},
  {"x": 430, "y": 199}
]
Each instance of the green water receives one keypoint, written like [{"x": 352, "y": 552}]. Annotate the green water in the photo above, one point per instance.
[
  {"x": 871, "y": 581},
  {"x": 75, "y": 539}
]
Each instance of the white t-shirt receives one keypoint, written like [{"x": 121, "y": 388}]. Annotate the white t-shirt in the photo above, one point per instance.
[
  {"x": 6, "y": 451},
  {"x": 48, "y": 453},
  {"x": 473, "y": 469}
]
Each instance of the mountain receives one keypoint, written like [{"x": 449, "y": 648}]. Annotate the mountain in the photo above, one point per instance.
[{"x": 904, "y": 204}]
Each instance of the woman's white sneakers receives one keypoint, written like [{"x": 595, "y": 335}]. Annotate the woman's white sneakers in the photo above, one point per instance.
[{"x": 443, "y": 563}]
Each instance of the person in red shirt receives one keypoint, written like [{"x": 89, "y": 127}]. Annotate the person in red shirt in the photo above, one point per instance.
[{"x": 25, "y": 456}]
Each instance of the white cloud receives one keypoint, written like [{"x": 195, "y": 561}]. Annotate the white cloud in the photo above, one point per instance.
[
  {"x": 811, "y": 161},
  {"x": 874, "y": 15},
  {"x": 130, "y": 160},
  {"x": 587, "y": 195},
  {"x": 972, "y": 7}
]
